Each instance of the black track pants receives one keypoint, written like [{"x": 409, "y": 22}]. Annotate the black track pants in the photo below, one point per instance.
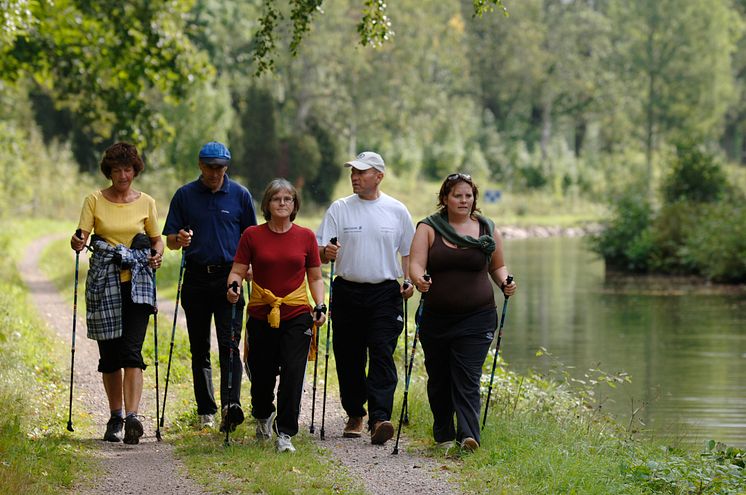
[
  {"x": 279, "y": 351},
  {"x": 454, "y": 368},
  {"x": 367, "y": 321}
]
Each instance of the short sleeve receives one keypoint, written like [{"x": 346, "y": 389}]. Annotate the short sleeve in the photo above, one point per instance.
[
  {"x": 243, "y": 251},
  {"x": 174, "y": 219},
  {"x": 312, "y": 258},
  {"x": 328, "y": 227},
  {"x": 407, "y": 230},
  {"x": 86, "y": 213},
  {"x": 151, "y": 222}
]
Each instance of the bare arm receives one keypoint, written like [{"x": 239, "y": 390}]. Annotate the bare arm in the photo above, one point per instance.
[
  {"x": 237, "y": 274},
  {"x": 316, "y": 285},
  {"x": 498, "y": 270},
  {"x": 418, "y": 254}
]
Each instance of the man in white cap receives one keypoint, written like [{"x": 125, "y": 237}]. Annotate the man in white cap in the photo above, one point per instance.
[{"x": 371, "y": 228}]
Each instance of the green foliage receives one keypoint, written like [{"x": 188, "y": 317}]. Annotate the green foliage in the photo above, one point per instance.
[
  {"x": 686, "y": 236},
  {"x": 720, "y": 470},
  {"x": 695, "y": 176},
  {"x": 254, "y": 140},
  {"x": 109, "y": 63},
  {"x": 717, "y": 246},
  {"x": 321, "y": 187},
  {"x": 626, "y": 241}
]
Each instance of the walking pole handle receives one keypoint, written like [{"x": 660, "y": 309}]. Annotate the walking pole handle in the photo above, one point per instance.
[
  {"x": 234, "y": 286},
  {"x": 79, "y": 233},
  {"x": 508, "y": 281}
]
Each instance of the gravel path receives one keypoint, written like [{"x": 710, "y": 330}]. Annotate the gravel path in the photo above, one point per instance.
[
  {"x": 139, "y": 469},
  {"x": 149, "y": 467}
]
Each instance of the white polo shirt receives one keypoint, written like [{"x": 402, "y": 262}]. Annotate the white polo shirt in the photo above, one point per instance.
[{"x": 370, "y": 234}]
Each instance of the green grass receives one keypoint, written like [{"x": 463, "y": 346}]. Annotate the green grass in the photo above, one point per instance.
[
  {"x": 37, "y": 455},
  {"x": 543, "y": 437}
]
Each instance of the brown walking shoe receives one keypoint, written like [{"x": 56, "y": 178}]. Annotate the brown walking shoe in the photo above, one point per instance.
[
  {"x": 354, "y": 427},
  {"x": 381, "y": 433},
  {"x": 469, "y": 444}
]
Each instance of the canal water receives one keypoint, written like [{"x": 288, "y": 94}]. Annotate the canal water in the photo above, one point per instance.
[{"x": 683, "y": 345}]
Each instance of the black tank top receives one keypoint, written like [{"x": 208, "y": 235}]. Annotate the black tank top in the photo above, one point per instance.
[{"x": 461, "y": 282}]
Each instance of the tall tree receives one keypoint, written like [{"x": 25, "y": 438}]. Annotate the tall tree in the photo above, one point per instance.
[{"x": 675, "y": 58}]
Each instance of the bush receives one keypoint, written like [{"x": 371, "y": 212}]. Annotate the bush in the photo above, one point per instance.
[
  {"x": 694, "y": 177},
  {"x": 626, "y": 242},
  {"x": 718, "y": 245}
]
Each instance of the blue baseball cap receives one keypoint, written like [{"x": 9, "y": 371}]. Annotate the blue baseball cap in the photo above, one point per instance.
[{"x": 215, "y": 153}]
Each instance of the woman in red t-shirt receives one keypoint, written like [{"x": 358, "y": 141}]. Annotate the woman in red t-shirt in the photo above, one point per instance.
[{"x": 282, "y": 256}]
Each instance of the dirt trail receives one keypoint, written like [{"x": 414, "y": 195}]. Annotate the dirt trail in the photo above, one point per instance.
[{"x": 151, "y": 466}]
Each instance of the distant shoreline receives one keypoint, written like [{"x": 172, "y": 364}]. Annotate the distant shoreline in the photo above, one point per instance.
[{"x": 514, "y": 232}]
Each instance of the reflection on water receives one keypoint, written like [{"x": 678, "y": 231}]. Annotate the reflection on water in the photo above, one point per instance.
[{"x": 685, "y": 349}]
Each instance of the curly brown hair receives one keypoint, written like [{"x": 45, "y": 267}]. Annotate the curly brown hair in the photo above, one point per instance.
[
  {"x": 449, "y": 183},
  {"x": 121, "y": 154}
]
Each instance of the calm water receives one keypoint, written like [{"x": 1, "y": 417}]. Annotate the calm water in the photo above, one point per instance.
[{"x": 685, "y": 351}]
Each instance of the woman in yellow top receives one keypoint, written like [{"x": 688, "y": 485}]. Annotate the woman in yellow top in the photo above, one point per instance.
[
  {"x": 119, "y": 286},
  {"x": 282, "y": 256}
]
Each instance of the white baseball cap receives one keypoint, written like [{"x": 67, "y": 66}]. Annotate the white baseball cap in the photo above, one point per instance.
[{"x": 366, "y": 160}]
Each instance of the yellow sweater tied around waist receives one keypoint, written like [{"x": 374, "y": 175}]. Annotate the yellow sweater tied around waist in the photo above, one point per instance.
[{"x": 264, "y": 297}]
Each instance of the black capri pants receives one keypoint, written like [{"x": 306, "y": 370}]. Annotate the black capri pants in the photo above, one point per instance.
[{"x": 126, "y": 351}]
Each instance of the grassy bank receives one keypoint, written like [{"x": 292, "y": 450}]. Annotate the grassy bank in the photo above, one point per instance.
[
  {"x": 548, "y": 436},
  {"x": 37, "y": 455}
]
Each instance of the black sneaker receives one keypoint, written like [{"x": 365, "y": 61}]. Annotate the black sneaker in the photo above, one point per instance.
[
  {"x": 232, "y": 416},
  {"x": 114, "y": 429},
  {"x": 132, "y": 430}
]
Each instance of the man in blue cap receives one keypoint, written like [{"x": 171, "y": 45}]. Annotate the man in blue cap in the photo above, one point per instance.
[{"x": 206, "y": 219}]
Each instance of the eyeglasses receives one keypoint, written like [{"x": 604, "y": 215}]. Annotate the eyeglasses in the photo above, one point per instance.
[
  {"x": 459, "y": 175},
  {"x": 284, "y": 199}
]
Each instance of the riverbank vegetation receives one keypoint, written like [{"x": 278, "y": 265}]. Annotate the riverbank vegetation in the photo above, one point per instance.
[{"x": 696, "y": 224}]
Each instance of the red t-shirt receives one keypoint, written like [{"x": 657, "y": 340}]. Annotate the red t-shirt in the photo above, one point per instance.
[{"x": 279, "y": 263}]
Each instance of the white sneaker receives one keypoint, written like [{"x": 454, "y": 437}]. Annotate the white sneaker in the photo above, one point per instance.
[
  {"x": 207, "y": 421},
  {"x": 284, "y": 444},
  {"x": 264, "y": 427}
]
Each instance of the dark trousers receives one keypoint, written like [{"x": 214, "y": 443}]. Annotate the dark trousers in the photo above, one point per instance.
[
  {"x": 454, "y": 368},
  {"x": 367, "y": 320},
  {"x": 278, "y": 351},
  {"x": 203, "y": 297},
  {"x": 126, "y": 351}
]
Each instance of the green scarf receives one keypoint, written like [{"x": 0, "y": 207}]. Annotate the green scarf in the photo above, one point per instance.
[{"x": 486, "y": 243}]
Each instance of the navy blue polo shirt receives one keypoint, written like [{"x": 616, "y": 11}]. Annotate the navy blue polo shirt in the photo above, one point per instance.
[{"x": 217, "y": 219}]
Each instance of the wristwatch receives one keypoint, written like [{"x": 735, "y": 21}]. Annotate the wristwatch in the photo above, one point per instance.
[{"x": 320, "y": 308}]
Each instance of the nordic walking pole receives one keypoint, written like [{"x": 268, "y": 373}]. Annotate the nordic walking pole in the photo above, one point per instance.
[
  {"x": 408, "y": 374},
  {"x": 406, "y": 338},
  {"x": 333, "y": 240},
  {"x": 173, "y": 331},
  {"x": 497, "y": 350},
  {"x": 317, "y": 313},
  {"x": 227, "y": 422},
  {"x": 79, "y": 235},
  {"x": 153, "y": 252}
]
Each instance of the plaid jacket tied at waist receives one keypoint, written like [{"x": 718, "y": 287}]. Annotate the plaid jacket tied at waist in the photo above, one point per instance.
[{"x": 103, "y": 292}]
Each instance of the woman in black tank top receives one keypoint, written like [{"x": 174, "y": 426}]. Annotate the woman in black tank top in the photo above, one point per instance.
[{"x": 461, "y": 251}]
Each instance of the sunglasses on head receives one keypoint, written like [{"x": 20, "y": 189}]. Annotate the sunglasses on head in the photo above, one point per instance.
[{"x": 459, "y": 175}]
